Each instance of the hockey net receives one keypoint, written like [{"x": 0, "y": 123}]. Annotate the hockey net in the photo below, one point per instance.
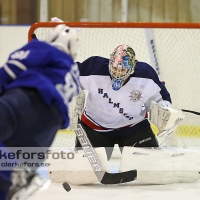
[{"x": 172, "y": 49}]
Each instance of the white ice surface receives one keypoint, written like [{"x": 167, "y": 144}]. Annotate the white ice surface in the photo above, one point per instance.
[{"x": 127, "y": 191}]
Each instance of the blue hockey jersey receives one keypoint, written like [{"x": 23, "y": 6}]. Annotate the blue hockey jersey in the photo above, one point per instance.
[{"x": 43, "y": 67}]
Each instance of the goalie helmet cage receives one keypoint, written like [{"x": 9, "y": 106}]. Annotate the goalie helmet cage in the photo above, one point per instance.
[{"x": 172, "y": 49}]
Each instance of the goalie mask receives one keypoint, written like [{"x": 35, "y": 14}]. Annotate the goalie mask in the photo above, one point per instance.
[
  {"x": 121, "y": 65},
  {"x": 65, "y": 39}
]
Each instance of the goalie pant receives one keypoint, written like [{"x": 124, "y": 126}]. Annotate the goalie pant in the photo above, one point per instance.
[
  {"x": 26, "y": 121},
  {"x": 133, "y": 136}
]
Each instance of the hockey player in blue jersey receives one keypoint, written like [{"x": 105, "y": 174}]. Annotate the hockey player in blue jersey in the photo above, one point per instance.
[
  {"x": 36, "y": 84},
  {"x": 120, "y": 90}
]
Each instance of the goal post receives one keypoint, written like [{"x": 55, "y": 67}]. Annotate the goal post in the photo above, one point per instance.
[{"x": 172, "y": 50}]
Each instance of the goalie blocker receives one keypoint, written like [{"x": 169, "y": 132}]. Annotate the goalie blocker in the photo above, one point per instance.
[{"x": 166, "y": 119}]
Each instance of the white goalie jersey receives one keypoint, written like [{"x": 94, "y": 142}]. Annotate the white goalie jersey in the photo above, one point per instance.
[
  {"x": 113, "y": 109},
  {"x": 127, "y": 106}
]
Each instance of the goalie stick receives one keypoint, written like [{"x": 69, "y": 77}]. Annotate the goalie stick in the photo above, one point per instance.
[
  {"x": 103, "y": 176},
  {"x": 191, "y": 111}
]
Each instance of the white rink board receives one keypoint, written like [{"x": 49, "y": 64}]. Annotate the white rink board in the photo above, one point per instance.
[{"x": 11, "y": 38}]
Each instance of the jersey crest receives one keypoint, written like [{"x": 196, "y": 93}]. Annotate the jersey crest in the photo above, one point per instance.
[{"x": 136, "y": 95}]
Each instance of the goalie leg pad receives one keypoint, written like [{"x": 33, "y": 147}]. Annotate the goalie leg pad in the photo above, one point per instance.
[
  {"x": 76, "y": 171},
  {"x": 159, "y": 166}
]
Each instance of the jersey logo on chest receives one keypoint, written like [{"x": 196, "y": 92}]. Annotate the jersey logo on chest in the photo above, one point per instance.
[{"x": 136, "y": 95}]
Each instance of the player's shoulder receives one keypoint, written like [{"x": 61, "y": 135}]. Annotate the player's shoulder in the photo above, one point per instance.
[
  {"x": 37, "y": 44},
  {"x": 98, "y": 60},
  {"x": 32, "y": 46},
  {"x": 143, "y": 66},
  {"x": 43, "y": 48},
  {"x": 94, "y": 65},
  {"x": 143, "y": 70}
]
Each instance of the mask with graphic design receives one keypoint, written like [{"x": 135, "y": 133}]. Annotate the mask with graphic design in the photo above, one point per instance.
[{"x": 121, "y": 65}]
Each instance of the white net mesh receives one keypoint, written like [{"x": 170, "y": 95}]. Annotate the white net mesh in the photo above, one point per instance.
[
  {"x": 179, "y": 68},
  {"x": 178, "y": 53}
]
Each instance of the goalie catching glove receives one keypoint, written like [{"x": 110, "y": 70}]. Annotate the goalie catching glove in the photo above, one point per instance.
[{"x": 164, "y": 117}]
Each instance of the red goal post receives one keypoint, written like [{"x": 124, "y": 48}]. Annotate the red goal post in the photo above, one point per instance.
[{"x": 171, "y": 48}]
